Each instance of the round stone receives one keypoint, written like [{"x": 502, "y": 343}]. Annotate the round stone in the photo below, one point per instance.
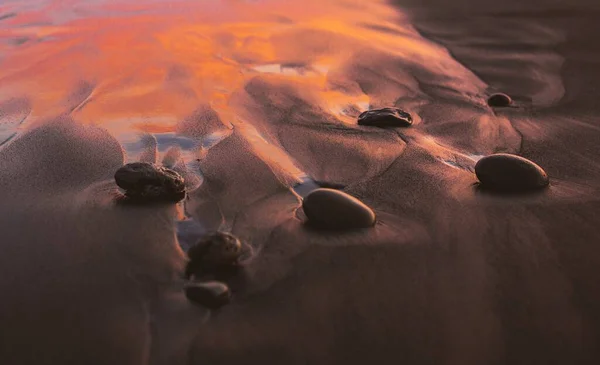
[
  {"x": 216, "y": 250},
  {"x": 210, "y": 294},
  {"x": 385, "y": 117},
  {"x": 333, "y": 209},
  {"x": 506, "y": 172},
  {"x": 499, "y": 100},
  {"x": 148, "y": 182}
]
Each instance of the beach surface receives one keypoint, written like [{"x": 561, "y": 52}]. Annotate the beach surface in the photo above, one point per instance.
[{"x": 255, "y": 103}]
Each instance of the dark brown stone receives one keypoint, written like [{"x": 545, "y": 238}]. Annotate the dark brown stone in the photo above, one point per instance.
[
  {"x": 333, "y": 209},
  {"x": 216, "y": 252},
  {"x": 499, "y": 100},
  {"x": 211, "y": 294},
  {"x": 146, "y": 182},
  {"x": 511, "y": 173},
  {"x": 385, "y": 117}
]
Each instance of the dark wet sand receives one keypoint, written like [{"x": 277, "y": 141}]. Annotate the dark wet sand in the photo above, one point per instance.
[{"x": 449, "y": 275}]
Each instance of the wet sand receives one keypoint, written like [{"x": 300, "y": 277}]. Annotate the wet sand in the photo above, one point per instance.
[{"x": 254, "y": 108}]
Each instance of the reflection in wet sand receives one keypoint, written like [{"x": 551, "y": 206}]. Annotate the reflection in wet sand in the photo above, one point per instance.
[
  {"x": 156, "y": 64},
  {"x": 250, "y": 65}
]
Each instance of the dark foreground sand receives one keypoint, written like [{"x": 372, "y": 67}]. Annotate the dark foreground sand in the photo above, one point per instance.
[{"x": 449, "y": 275}]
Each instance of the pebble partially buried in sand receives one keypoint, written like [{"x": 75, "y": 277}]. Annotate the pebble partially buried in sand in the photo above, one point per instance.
[
  {"x": 510, "y": 173},
  {"x": 333, "y": 209},
  {"x": 385, "y": 117},
  {"x": 216, "y": 251},
  {"x": 146, "y": 182},
  {"x": 499, "y": 100},
  {"x": 210, "y": 294}
]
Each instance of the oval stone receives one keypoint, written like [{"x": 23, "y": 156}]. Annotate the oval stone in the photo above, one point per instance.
[
  {"x": 144, "y": 181},
  {"x": 506, "y": 172},
  {"x": 385, "y": 117},
  {"x": 210, "y": 294},
  {"x": 333, "y": 209},
  {"x": 499, "y": 100}
]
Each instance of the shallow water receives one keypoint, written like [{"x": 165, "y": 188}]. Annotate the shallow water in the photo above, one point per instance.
[
  {"x": 171, "y": 80},
  {"x": 143, "y": 67}
]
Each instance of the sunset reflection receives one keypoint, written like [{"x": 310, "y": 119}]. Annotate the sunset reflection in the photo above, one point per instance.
[
  {"x": 196, "y": 68},
  {"x": 149, "y": 65}
]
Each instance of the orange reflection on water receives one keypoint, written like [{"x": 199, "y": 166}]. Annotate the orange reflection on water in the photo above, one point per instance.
[{"x": 145, "y": 65}]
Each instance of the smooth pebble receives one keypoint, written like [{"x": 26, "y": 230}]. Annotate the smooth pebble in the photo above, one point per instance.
[
  {"x": 499, "y": 100},
  {"x": 506, "y": 172},
  {"x": 210, "y": 294},
  {"x": 333, "y": 209}
]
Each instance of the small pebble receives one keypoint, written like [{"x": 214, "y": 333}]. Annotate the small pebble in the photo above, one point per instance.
[
  {"x": 210, "y": 294},
  {"x": 216, "y": 250},
  {"x": 147, "y": 182},
  {"x": 333, "y": 209},
  {"x": 511, "y": 173},
  {"x": 499, "y": 100},
  {"x": 385, "y": 117}
]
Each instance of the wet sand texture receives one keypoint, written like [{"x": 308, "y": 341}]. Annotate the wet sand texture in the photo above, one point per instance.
[{"x": 256, "y": 105}]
